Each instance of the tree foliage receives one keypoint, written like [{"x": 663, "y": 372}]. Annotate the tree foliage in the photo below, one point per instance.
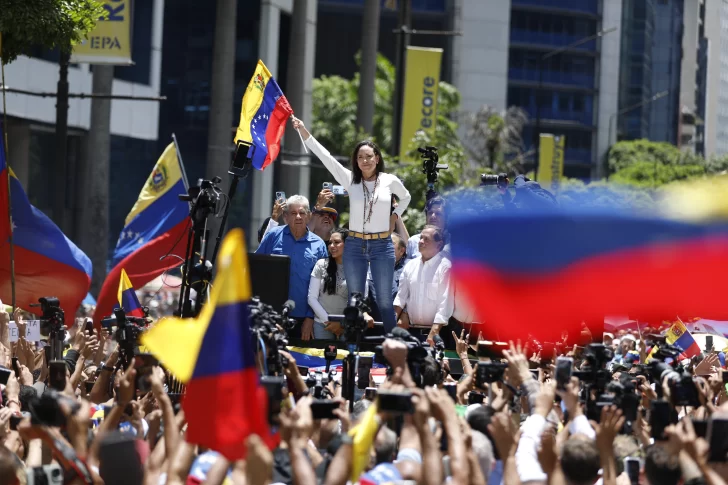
[
  {"x": 46, "y": 23},
  {"x": 495, "y": 139}
]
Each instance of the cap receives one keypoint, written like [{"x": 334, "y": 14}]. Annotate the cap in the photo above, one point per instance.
[{"x": 330, "y": 211}]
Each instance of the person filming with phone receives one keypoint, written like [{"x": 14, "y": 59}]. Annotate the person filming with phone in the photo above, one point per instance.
[{"x": 369, "y": 243}]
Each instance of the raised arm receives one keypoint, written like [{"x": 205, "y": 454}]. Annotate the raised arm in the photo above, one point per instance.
[{"x": 340, "y": 173}]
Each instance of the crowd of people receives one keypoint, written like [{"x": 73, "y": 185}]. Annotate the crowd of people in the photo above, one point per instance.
[{"x": 612, "y": 408}]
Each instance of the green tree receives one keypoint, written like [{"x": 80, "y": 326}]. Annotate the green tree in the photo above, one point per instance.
[
  {"x": 654, "y": 174},
  {"x": 47, "y": 23},
  {"x": 495, "y": 139}
]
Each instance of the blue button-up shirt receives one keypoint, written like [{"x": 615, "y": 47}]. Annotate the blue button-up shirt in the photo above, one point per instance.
[{"x": 304, "y": 253}]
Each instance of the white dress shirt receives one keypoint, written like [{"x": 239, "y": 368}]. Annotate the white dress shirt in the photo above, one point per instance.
[
  {"x": 388, "y": 185},
  {"x": 424, "y": 289}
]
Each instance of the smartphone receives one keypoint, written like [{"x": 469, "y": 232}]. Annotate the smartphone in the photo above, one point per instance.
[
  {"x": 303, "y": 370},
  {"x": 89, "y": 386},
  {"x": 476, "y": 398},
  {"x": 339, "y": 190},
  {"x": 281, "y": 197},
  {"x": 718, "y": 438},
  {"x": 328, "y": 186},
  {"x": 47, "y": 351},
  {"x": 89, "y": 326},
  {"x": 4, "y": 375},
  {"x": 16, "y": 367},
  {"x": 708, "y": 343},
  {"x": 564, "y": 368},
  {"x": 274, "y": 386},
  {"x": 370, "y": 393},
  {"x": 659, "y": 418},
  {"x": 632, "y": 466},
  {"x": 452, "y": 390},
  {"x": 396, "y": 402},
  {"x": 15, "y": 420},
  {"x": 456, "y": 368},
  {"x": 57, "y": 375},
  {"x": 701, "y": 427},
  {"x": 120, "y": 459},
  {"x": 323, "y": 408},
  {"x": 144, "y": 365},
  {"x": 365, "y": 365}
]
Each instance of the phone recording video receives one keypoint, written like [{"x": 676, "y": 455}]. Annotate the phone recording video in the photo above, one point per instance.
[
  {"x": 396, "y": 402},
  {"x": 718, "y": 438},
  {"x": 370, "y": 393},
  {"x": 89, "y": 327},
  {"x": 564, "y": 369},
  {"x": 57, "y": 375},
  {"x": 659, "y": 419},
  {"x": 632, "y": 467},
  {"x": 281, "y": 197},
  {"x": 323, "y": 408}
]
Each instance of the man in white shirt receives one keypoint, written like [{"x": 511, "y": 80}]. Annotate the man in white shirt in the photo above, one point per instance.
[{"x": 424, "y": 288}]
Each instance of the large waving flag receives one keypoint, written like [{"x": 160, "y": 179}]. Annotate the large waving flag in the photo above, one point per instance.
[
  {"x": 544, "y": 270},
  {"x": 128, "y": 298},
  {"x": 263, "y": 116},
  {"x": 47, "y": 263},
  {"x": 679, "y": 336},
  {"x": 215, "y": 356},
  {"x": 156, "y": 227}
]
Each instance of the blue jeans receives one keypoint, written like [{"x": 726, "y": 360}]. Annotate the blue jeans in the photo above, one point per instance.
[
  {"x": 320, "y": 332},
  {"x": 377, "y": 254}
]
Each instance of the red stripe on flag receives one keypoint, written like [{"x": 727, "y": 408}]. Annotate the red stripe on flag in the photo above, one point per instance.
[{"x": 276, "y": 127}]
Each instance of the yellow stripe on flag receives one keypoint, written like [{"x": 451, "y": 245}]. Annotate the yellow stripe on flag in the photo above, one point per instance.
[
  {"x": 165, "y": 175},
  {"x": 124, "y": 284},
  {"x": 363, "y": 436},
  {"x": 252, "y": 99}
]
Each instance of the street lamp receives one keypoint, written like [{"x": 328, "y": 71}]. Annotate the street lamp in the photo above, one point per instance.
[{"x": 549, "y": 55}]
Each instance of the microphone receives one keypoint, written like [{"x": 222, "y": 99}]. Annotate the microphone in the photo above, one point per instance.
[
  {"x": 438, "y": 342},
  {"x": 288, "y": 307}
]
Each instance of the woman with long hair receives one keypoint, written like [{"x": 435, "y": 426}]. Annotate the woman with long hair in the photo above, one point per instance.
[
  {"x": 327, "y": 290},
  {"x": 369, "y": 245}
]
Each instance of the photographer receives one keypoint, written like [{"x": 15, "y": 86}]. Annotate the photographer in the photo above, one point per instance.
[{"x": 424, "y": 290}]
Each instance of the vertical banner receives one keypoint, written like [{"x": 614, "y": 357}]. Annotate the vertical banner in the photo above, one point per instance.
[
  {"x": 421, "y": 79},
  {"x": 550, "y": 160},
  {"x": 110, "y": 41}
]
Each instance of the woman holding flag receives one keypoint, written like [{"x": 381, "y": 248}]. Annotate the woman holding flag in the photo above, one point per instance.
[{"x": 370, "y": 218}]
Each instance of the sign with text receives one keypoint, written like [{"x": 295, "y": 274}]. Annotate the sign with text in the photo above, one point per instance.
[
  {"x": 550, "y": 160},
  {"x": 110, "y": 41},
  {"x": 419, "y": 110},
  {"x": 32, "y": 331}
]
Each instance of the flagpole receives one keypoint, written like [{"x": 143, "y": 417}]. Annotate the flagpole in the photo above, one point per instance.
[
  {"x": 181, "y": 164},
  {"x": 7, "y": 163}
]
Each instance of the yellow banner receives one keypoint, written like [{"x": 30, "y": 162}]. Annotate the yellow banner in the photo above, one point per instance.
[
  {"x": 110, "y": 41},
  {"x": 550, "y": 160},
  {"x": 419, "y": 111}
]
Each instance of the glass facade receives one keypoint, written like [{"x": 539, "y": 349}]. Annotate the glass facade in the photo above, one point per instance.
[
  {"x": 666, "y": 64},
  {"x": 721, "y": 139},
  {"x": 635, "y": 76},
  {"x": 566, "y": 100}
]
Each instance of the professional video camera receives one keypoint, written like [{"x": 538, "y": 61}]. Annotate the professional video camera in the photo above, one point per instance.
[
  {"x": 264, "y": 323},
  {"x": 203, "y": 198},
  {"x": 622, "y": 395},
  {"x": 422, "y": 361},
  {"x": 353, "y": 322},
  {"x": 683, "y": 391},
  {"x": 46, "y": 410},
  {"x": 500, "y": 180},
  {"x": 52, "y": 324},
  {"x": 127, "y": 334},
  {"x": 431, "y": 167}
]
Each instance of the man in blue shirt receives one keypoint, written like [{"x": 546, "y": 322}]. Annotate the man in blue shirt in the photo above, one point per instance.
[{"x": 304, "y": 248}]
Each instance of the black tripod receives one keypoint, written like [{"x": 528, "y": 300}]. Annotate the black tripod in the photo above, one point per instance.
[{"x": 204, "y": 199}]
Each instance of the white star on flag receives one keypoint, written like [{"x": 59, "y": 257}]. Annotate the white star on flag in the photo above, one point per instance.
[
  {"x": 140, "y": 240},
  {"x": 12, "y": 224}
]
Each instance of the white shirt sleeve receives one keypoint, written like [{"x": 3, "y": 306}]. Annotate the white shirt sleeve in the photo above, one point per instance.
[
  {"x": 271, "y": 225},
  {"x": 446, "y": 305},
  {"x": 581, "y": 425},
  {"x": 314, "y": 288},
  {"x": 400, "y": 191},
  {"x": 527, "y": 464},
  {"x": 340, "y": 173}
]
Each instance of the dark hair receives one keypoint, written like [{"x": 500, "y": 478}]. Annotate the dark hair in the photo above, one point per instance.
[
  {"x": 433, "y": 202},
  {"x": 356, "y": 174},
  {"x": 331, "y": 267},
  {"x": 661, "y": 467},
  {"x": 580, "y": 460},
  {"x": 438, "y": 235}
]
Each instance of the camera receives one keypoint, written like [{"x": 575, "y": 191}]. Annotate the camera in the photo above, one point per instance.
[
  {"x": 264, "y": 323},
  {"x": 354, "y": 323},
  {"x": 430, "y": 165},
  {"x": 44, "y": 475},
  {"x": 317, "y": 382},
  {"x": 46, "y": 409},
  {"x": 489, "y": 372},
  {"x": 204, "y": 198},
  {"x": 52, "y": 318},
  {"x": 422, "y": 363},
  {"x": 128, "y": 331},
  {"x": 500, "y": 180}
]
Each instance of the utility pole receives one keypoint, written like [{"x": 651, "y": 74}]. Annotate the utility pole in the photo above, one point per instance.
[
  {"x": 61, "y": 166},
  {"x": 368, "y": 68},
  {"x": 94, "y": 234},
  {"x": 403, "y": 40}
]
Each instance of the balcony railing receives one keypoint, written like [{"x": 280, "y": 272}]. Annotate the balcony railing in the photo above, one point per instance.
[
  {"x": 552, "y": 77},
  {"x": 524, "y": 36},
  {"x": 586, "y": 6}
]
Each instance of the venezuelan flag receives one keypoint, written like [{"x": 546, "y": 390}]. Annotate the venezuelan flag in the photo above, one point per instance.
[
  {"x": 363, "y": 436},
  {"x": 215, "y": 356},
  {"x": 155, "y": 228},
  {"x": 545, "y": 269},
  {"x": 679, "y": 336},
  {"x": 128, "y": 298},
  {"x": 263, "y": 117},
  {"x": 47, "y": 263}
]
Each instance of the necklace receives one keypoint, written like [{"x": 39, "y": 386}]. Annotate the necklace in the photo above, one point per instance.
[{"x": 370, "y": 198}]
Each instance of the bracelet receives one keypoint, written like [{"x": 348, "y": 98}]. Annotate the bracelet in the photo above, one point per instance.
[
  {"x": 11, "y": 401},
  {"x": 106, "y": 367}
]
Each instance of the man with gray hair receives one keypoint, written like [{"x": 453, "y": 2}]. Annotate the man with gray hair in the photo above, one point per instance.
[{"x": 304, "y": 248}]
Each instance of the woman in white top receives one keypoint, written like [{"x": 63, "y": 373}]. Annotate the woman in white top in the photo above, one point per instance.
[
  {"x": 327, "y": 290},
  {"x": 369, "y": 245}
]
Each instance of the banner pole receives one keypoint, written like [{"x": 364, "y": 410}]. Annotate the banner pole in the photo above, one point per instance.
[{"x": 10, "y": 211}]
